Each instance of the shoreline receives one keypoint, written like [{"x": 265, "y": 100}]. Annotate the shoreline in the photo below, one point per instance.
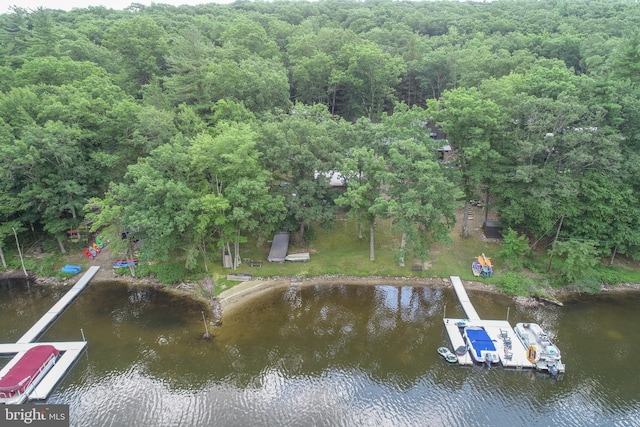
[{"x": 234, "y": 298}]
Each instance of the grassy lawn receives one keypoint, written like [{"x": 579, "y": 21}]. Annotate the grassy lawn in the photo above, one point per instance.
[{"x": 339, "y": 251}]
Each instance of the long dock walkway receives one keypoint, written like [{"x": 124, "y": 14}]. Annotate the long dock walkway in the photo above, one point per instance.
[
  {"x": 50, "y": 316},
  {"x": 464, "y": 298},
  {"x": 510, "y": 349},
  {"x": 70, "y": 351}
]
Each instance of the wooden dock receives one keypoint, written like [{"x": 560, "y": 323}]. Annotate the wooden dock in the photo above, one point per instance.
[
  {"x": 457, "y": 341},
  {"x": 464, "y": 298},
  {"x": 50, "y": 316},
  {"x": 70, "y": 351},
  {"x": 512, "y": 352}
]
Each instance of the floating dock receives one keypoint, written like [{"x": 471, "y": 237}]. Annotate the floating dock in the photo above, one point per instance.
[
  {"x": 70, "y": 351},
  {"x": 510, "y": 349},
  {"x": 50, "y": 316}
]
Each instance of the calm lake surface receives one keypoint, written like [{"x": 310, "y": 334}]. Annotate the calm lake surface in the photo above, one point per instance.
[{"x": 340, "y": 355}]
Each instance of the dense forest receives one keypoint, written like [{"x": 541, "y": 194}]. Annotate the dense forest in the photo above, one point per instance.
[{"x": 197, "y": 127}]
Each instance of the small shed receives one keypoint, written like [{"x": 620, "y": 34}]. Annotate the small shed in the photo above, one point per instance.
[
  {"x": 492, "y": 229},
  {"x": 445, "y": 153},
  {"x": 279, "y": 248}
]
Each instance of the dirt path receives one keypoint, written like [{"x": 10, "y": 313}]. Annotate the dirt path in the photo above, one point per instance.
[{"x": 104, "y": 260}]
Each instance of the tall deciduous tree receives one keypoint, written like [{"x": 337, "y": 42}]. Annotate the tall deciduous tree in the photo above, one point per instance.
[
  {"x": 301, "y": 150},
  {"x": 362, "y": 170},
  {"x": 260, "y": 84},
  {"x": 228, "y": 167},
  {"x": 418, "y": 198},
  {"x": 472, "y": 125},
  {"x": 370, "y": 77},
  {"x": 156, "y": 202},
  {"x": 142, "y": 45}
]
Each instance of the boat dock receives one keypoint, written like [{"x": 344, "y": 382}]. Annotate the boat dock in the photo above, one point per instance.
[
  {"x": 70, "y": 351},
  {"x": 464, "y": 298},
  {"x": 50, "y": 316},
  {"x": 510, "y": 349}
]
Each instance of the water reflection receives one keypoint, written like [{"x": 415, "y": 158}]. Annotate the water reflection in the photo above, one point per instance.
[{"x": 330, "y": 355}]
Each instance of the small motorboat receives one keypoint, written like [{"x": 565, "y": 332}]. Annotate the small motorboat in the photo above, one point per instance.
[
  {"x": 448, "y": 355},
  {"x": 541, "y": 352},
  {"x": 483, "y": 350}
]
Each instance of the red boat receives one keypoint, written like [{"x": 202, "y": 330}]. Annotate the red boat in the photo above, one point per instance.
[{"x": 23, "y": 377}]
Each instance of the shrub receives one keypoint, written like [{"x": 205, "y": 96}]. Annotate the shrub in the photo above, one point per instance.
[
  {"x": 514, "y": 284},
  {"x": 589, "y": 284},
  {"x": 514, "y": 248},
  {"x": 610, "y": 275},
  {"x": 169, "y": 273},
  {"x": 47, "y": 265}
]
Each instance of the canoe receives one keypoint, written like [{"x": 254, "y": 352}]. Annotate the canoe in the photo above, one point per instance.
[{"x": 124, "y": 263}]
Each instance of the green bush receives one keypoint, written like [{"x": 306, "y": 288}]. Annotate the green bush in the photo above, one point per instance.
[
  {"x": 610, "y": 275},
  {"x": 47, "y": 266},
  {"x": 589, "y": 284},
  {"x": 169, "y": 273},
  {"x": 514, "y": 284},
  {"x": 514, "y": 249}
]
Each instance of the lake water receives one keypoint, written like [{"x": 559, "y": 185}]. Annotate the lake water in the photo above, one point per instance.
[{"x": 340, "y": 355}]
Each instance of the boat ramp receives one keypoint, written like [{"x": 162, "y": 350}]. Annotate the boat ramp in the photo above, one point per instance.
[
  {"x": 510, "y": 349},
  {"x": 70, "y": 351}
]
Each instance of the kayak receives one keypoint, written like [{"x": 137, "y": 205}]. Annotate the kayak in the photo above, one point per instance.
[{"x": 72, "y": 269}]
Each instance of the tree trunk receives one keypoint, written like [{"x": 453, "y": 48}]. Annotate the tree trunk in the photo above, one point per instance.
[
  {"x": 4, "y": 261},
  {"x": 204, "y": 255},
  {"x": 486, "y": 206},
  {"x": 301, "y": 231},
  {"x": 15, "y": 233},
  {"x": 465, "y": 221},
  {"x": 613, "y": 255},
  {"x": 233, "y": 264},
  {"x": 554, "y": 243},
  {"x": 372, "y": 248},
  {"x": 237, "y": 248},
  {"x": 359, "y": 229},
  {"x": 61, "y": 245},
  {"x": 132, "y": 268},
  {"x": 403, "y": 243}
]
